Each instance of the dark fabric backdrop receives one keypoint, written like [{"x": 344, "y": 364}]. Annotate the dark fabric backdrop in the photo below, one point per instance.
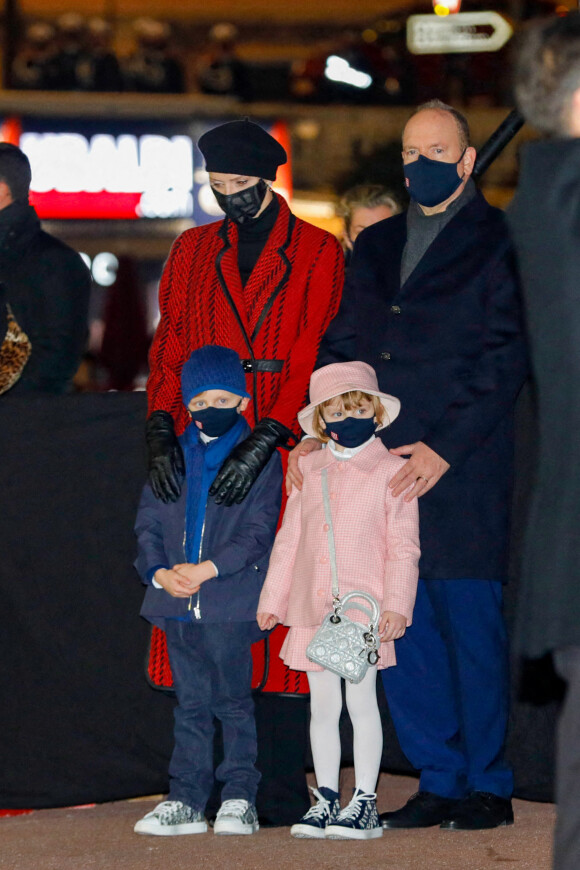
[{"x": 79, "y": 723}]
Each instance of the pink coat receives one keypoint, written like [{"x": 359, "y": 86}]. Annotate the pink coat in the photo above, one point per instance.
[{"x": 376, "y": 537}]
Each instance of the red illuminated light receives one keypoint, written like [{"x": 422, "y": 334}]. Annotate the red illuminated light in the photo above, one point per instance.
[{"x": 86, "y": 206}]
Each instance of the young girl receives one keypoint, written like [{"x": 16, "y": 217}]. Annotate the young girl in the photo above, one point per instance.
[{"x": 377, "y": 551}]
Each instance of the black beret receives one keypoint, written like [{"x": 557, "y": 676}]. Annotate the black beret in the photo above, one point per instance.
[{"x": 242, "y": 147}]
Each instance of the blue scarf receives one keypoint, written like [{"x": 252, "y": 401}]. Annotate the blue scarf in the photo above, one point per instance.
[{"x": 202, "y": 463}]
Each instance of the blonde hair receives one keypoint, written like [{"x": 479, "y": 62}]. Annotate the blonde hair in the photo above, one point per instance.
[{"x": 350, "y": 400}]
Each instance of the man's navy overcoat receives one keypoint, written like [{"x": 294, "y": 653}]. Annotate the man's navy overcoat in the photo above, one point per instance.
[{"x": 448, "y": 344}]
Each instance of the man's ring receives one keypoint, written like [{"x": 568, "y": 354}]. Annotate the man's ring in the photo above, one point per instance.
[{"x": 426, "y": 479}]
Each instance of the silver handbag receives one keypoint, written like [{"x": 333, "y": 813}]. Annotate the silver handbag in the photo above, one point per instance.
[
  {"x": 340, "y": 645},
  {"x": 345, "y": 647}
]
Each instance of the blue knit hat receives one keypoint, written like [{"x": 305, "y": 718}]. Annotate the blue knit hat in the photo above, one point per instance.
[{"x": 212, "y": 368}]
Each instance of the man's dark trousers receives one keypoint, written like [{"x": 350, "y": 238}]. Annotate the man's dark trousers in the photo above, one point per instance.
[{"x": 448, "y": 694}]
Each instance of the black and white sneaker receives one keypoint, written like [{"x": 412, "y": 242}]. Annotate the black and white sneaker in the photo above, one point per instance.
[
  {"x": 357, "y": 821},
  {"x": 236, "y": 817},
  {"x": 313, "y": 824},
  {"x": 172, "y": 818}
]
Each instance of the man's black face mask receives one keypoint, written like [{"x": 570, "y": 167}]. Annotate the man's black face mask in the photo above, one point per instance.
[{"x": 245, "y": 204}]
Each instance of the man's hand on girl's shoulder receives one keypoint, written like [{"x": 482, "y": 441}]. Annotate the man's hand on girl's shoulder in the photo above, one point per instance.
[{"x": 293, "y": 474}]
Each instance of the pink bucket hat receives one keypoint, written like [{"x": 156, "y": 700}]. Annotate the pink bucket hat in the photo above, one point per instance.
[{"x": 339, "y": 378}]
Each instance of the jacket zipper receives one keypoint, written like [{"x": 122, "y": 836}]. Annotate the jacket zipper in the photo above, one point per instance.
[{"x": 196, "y": 609}]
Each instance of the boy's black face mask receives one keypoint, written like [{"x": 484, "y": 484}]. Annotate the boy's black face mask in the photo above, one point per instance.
[
  {"x": 216, "y": 421},
  {"x": 245, "y": 204}
]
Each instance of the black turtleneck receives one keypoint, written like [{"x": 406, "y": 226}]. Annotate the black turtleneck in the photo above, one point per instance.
[{"x": 252, "y": 236}]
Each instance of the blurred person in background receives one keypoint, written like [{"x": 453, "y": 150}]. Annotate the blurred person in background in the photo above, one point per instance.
[
  {"x": 545, "y": 222},
  {"x": 45, "y": 283},
  {"x": 98, "y": 68},
  {"x": 153, "y": 68},
  {"x": 71, "y": 33},
  {"x": 362, "y": 206},
  {"x": 220, "y": 70},
  {"x": 34, "y": 66}
]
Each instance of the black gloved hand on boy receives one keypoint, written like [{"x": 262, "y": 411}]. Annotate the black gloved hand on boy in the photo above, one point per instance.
[
  {"x": 165, "y": 457},
  {"x": 244, "y": 464}
]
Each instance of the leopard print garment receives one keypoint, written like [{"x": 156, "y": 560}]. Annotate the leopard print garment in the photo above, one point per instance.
[{"x": 14, "y": 352}]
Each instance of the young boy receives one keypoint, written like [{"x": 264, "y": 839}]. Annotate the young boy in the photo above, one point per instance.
[{"x": 204, "y": 566}]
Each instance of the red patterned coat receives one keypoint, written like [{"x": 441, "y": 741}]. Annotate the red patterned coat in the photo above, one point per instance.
[{"x": 281, "y": 314}]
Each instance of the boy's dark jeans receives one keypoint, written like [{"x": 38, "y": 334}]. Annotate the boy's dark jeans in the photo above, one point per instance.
[{"x": 212, "y": 674}]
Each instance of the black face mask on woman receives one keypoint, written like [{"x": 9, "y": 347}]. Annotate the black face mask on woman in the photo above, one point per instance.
[
  {"x": 216, "y": 421},
  {"x": 243, "y": 205},
  {"x": 352, "y": 431}
]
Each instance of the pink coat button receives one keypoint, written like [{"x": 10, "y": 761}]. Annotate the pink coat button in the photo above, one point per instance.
[
  {"x": 326, "y": 527},
  {"x": 320, "y": 593},
  {"x": 323, "y": 560},
  {"x": 333, "y": 495}
]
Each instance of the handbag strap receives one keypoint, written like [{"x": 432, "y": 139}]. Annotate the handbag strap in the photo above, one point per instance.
[{"x": 331, "y": 546}]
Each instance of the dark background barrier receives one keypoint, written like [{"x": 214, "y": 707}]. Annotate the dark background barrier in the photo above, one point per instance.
[{"x": 79, "y": 723}]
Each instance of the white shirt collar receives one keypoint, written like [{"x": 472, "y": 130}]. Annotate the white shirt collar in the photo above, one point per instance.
[
  {"x": 347, "y": 452},
  {"x": 206, "y": 438}
]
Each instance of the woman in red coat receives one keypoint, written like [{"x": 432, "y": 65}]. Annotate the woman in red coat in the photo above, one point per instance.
[
  {"x": 261, "y": 282},
  {"x": 267, "y": 285}
]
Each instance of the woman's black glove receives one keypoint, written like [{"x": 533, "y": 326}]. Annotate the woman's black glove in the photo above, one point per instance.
[
  {"x": 242, "y": 467},
  {"x": 165, "y": 457}
]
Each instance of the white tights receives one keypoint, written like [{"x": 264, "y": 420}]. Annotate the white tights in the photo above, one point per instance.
[{"x": 325, "y": 709}]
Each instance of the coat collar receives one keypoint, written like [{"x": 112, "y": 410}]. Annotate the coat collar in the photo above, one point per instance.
[
  {"x": 367, "y": 460},
  {"x": 268, "y": 277},
  {"x": 461, "y": 230}
]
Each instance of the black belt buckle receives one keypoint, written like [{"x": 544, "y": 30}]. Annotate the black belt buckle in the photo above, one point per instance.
[{"x": 273, "y": 366}]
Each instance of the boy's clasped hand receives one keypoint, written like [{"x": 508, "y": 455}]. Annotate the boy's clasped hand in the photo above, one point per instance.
[{"x": 185, "y": 579}]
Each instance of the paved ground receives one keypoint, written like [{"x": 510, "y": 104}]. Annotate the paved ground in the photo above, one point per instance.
[{"x": 101, "y": 838}]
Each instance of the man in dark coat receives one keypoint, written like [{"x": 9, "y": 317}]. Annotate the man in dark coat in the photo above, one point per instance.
[
  {"x": 545, "y": 220},
  {"x": 431, "y": 303},
  {"x": 45, "y": 283}
]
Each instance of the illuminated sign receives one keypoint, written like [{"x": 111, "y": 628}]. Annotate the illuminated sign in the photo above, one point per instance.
[
  {"x": 104, "y": 176},
  {"x": 103, "y": 267},
  {"x": 463, "y": 32},
  {"x": 123, "y": 169}
]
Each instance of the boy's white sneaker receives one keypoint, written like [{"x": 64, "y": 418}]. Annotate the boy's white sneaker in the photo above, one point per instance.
[
  {"x": 172, "y": 818},
  {"x": 236, "y": 817}
]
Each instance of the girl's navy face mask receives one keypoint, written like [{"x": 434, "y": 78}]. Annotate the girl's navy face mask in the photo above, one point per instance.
[
  {"x": 352, "y": 431},
  {"x": 216, "y": 421},
  {"x": 431, "y": 182}
]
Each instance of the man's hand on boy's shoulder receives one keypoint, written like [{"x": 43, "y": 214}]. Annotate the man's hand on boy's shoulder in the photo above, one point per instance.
[{"x": 195, "y": 575}]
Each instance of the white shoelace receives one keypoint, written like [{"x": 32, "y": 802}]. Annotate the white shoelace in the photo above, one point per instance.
[
  {"x": 167, "y": 809},
  {"x": 233, "y": 807},
  {"x": 354, "y": 807},
  {"x": 320, "y": 809}
]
